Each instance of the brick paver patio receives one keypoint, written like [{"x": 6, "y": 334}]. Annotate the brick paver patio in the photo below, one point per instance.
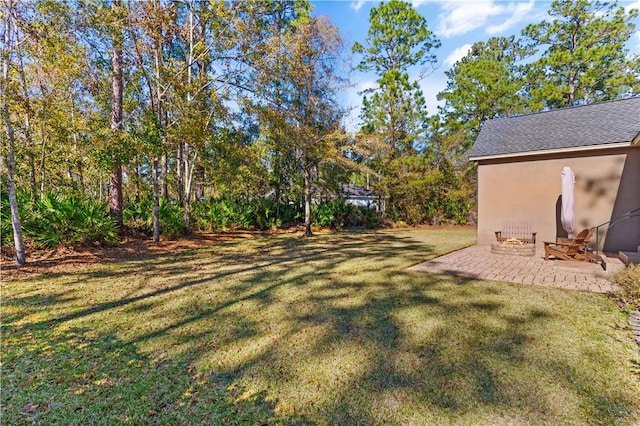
[{"x": 479, "y": 262}]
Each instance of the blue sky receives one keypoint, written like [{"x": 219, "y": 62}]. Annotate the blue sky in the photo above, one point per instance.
[{"x": 457, "y": 23}]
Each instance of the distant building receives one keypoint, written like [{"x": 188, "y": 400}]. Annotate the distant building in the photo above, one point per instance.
[{"x": 363, "y": 197}]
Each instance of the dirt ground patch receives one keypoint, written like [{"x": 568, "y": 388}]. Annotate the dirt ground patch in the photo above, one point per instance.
[{"x": 62, "y": 259}]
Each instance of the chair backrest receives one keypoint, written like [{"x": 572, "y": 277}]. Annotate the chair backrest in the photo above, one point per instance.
[
  {"x": 582, "y": 236},
  {"x": 578, "y": 244}
]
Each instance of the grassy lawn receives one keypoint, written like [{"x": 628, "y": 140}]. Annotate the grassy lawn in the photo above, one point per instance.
[{"x": 328, "y": 330}]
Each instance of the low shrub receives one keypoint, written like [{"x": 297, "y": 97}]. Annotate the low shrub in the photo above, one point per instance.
[
  {"x": 628, "y": 281},
  {"x": 257, "y": 213},
  {"x": 334, "y": 213},
  {"x": 139, "y": 216},
  {"x": 63, "y": 220},
  {"x": 361, "y": 216},
  {"x": 171, "y": 219},
  {"x": 220, "y": 215},
  {"x": 6, "y": 228},
  {"x": 263, "y": 212}
]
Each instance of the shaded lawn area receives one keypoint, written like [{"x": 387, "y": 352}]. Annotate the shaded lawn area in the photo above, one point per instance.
[{"x": 328, "y": 330}]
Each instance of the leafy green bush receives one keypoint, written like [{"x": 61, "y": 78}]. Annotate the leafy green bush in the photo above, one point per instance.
[
  {"x": 171, "y": 219},
  {"x": 264, "y": 214},
  {"x": 62, "y": 220},
  {"x": 211, "y": 215},
  {"x": 334, "y": 213},
  {"x": 361, "y": 216},
  {"x": 6, "y": 229},
  {"x": 628, "y": 281},
  {"x": 139, "y": 216},
  {"x": 223, "y": 214}
]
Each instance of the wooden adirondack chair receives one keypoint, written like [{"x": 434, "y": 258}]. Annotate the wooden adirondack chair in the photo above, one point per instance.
[{"x": 570, "y": 249}]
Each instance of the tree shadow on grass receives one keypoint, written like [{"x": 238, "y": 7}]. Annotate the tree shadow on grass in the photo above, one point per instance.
[
  {"x": 334, "y": 329},
  {"x": 98, "y": 379}
]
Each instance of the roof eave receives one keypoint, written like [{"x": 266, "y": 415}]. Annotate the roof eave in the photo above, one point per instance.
[{"x": 634, "y": 141}]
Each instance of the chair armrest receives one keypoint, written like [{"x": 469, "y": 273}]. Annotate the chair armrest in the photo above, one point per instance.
[{"x": 559, "y": 243}]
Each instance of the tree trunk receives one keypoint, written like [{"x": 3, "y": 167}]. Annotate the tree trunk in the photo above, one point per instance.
[
  {"x": 187, "y": 217},
  {"x": 307, "y": 203},
  {"x": 156, "y": 201},
  {"x": 27, "y": 132},
  {"x": 276, "y": 189},
  {"x": 115, "y": 180},
  {"x": 188, "y": 179},
  {"x": 76, "y": 161},
  {"x": 572, "y": 89},
  {"x": 32, "y": 176},
  {"x": 163, "y": 174},
  {"x": 200, "y": 176},
  {"x": 43, "y": 152},
  {"x": 188, "y": 170},
  {"x": 136, "y": 172},
  {"x": 179, "y": 182},
  {"x": 13, "y": 201},
  {"x": 115, "y": 193}
]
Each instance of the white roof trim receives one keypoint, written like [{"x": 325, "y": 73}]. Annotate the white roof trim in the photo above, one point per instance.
[{"x": 557, "y": 151}]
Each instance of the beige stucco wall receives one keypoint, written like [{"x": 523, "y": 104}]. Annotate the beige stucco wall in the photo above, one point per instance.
[{"x": 527, "y": 189}]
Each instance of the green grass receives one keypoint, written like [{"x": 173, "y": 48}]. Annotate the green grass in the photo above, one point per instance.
[{"x": 328, "y": 330}]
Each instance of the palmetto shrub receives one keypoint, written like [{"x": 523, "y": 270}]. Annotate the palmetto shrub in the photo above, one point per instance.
[
  {"x": 223, "y": 214},
  {"x": 6, "y": 228},
  {"x": 213, "y": 215},
  {"x": 139, "y": 216},
  {"x": 63, "y": 220}
]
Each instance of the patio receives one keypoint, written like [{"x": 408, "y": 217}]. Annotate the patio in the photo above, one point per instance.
[{"x": 478, "y": 262}]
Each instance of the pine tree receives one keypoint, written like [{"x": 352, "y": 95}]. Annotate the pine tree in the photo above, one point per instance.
[{"x": 585, "y": 60}]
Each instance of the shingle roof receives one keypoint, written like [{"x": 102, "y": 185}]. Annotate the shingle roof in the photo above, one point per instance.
[
  {"x": 574, "y": 127},
  {"x": 351, "y": 190}
]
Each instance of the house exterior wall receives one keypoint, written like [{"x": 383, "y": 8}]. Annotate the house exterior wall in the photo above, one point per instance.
[{"x": 528, "y": 189}]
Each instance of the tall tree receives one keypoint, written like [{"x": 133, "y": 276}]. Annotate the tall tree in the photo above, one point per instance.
[
  {"x": 199, "y": 86},
  {"x": 8, "y": 85},
  {"x": 486, "y": 83},
  {"x": 585, "y": 59},
  {"x": 312, "y": 114},
  {"x": 398, "y": 40},
  {"x": 147, "y": 27},
  {"x": 264, "y": 29},
  {"x": 117, "y": 86},
  {"x": 49, "y": 63}
]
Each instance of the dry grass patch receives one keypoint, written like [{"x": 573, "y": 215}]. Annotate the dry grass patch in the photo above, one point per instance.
[{"x": 328, "y": 330}]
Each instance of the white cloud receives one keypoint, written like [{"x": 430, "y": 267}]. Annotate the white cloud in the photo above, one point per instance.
[
  {"x": 357, "y": 5},
  {"x": 457, "y": 54},
  {"x": 633, "y": 5},
  {"x": 417, "y": 3},
  {"x": 519, "y": 12},
  {"x": 461, "y": 17}
]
